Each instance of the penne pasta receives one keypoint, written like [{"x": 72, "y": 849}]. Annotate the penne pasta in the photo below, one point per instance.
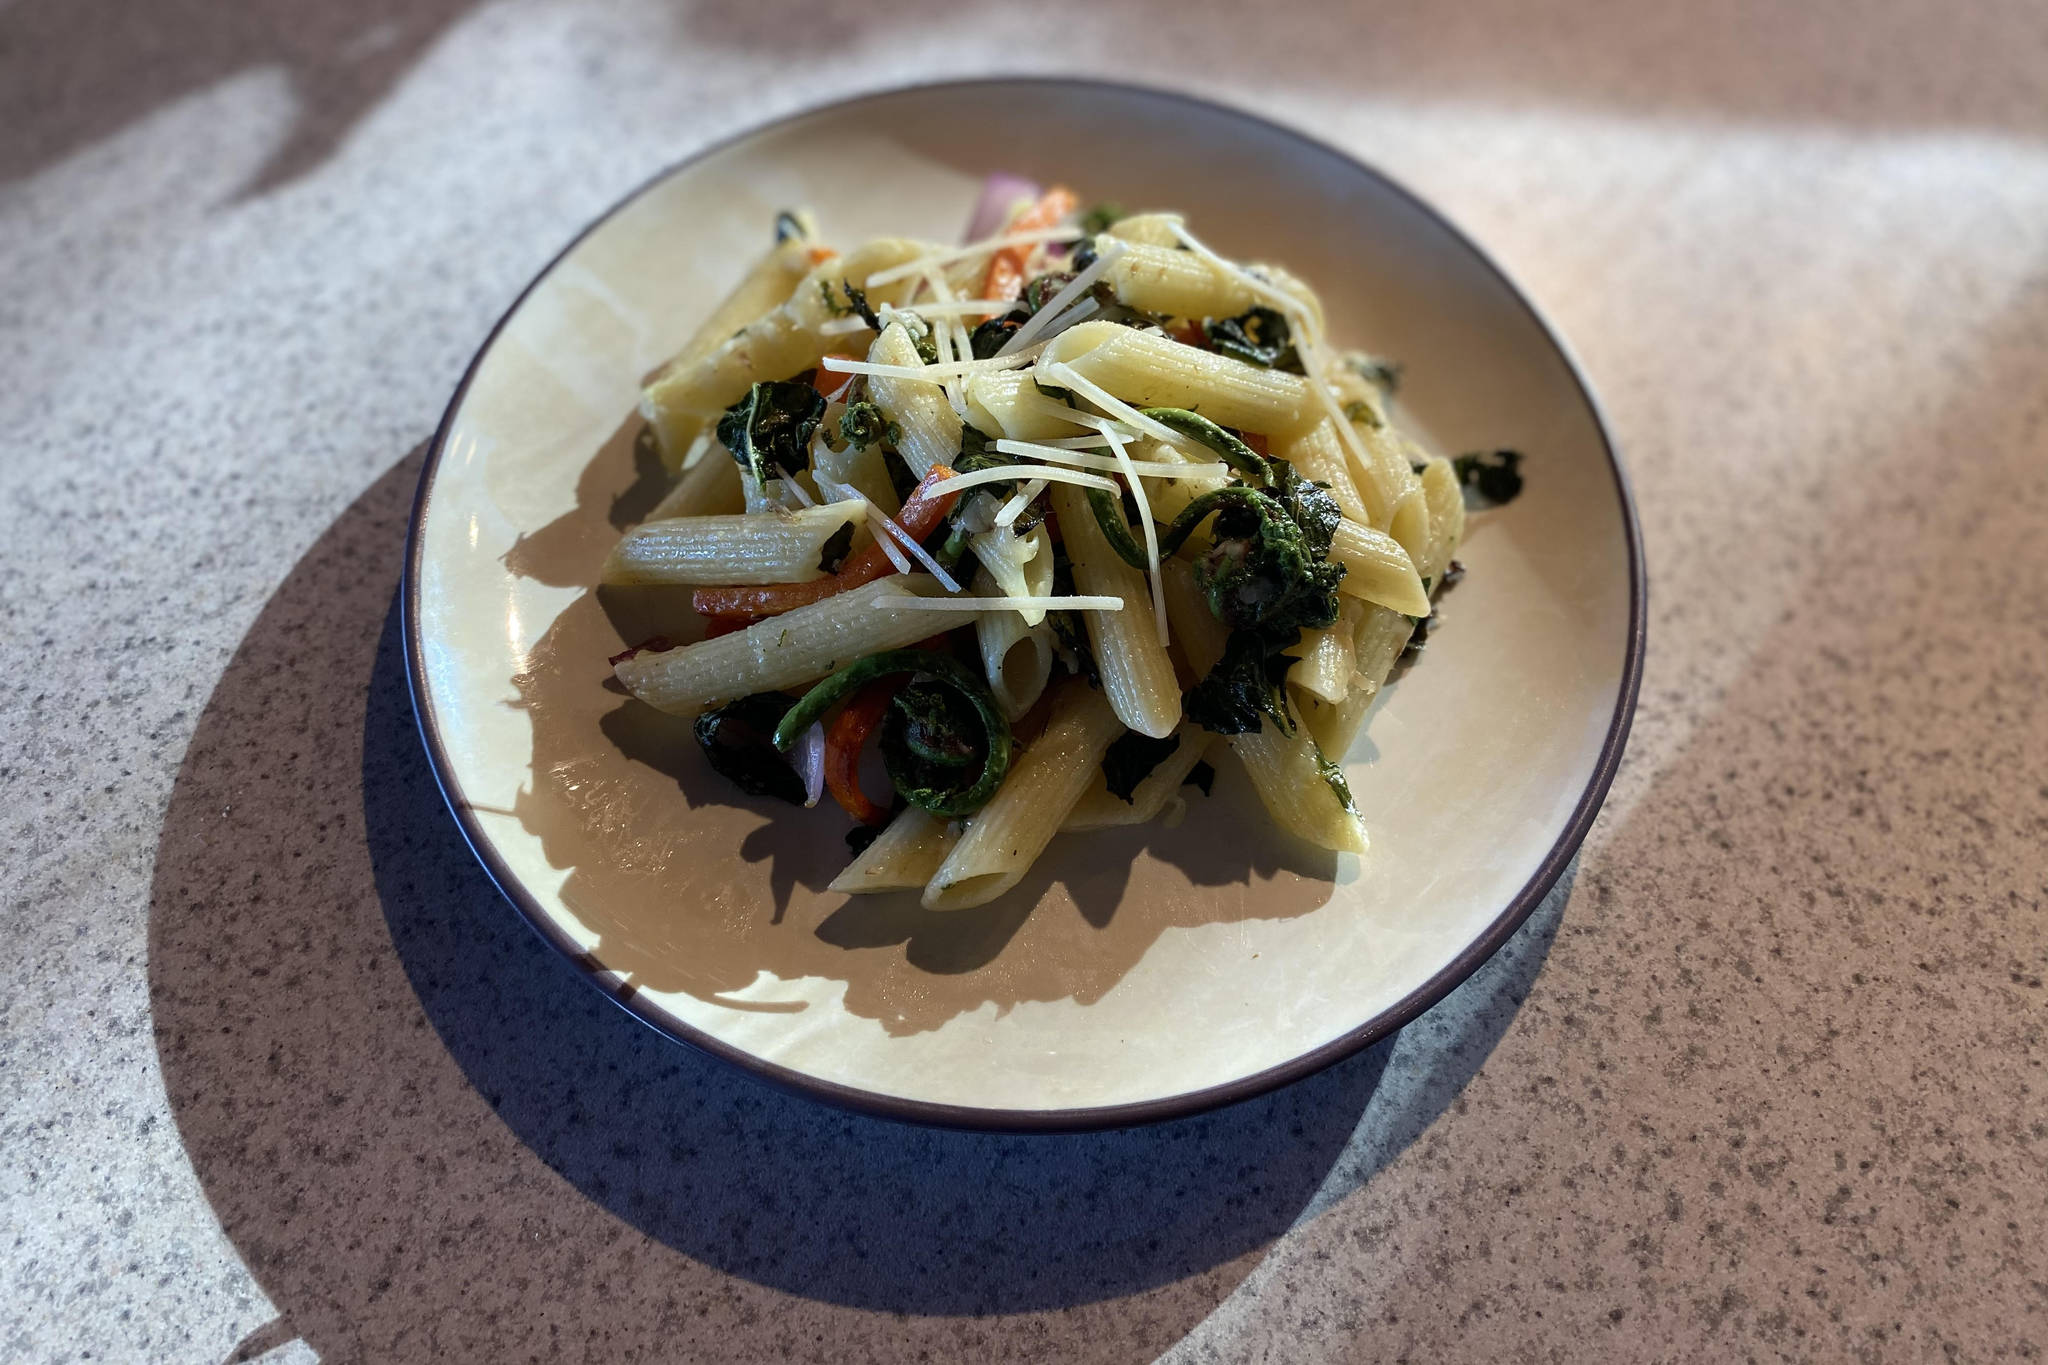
[
  {"x": 1015, "y": 657},
  {"x": 1318, "y": 455},
  {"x": 930, "y": 429},
  {"x": 1009, "y": 833},
  {"x": 1137, "y": 673},
  {"x": 1377, "y": 569},
  {"x": 767, "y": 285},
  {"x": 1050, "y": 473},
  {"x": 1162, "y": 278},
  {"x": 782, "y": 651},
  {"x": 776, "y": 345},
  {"x": 1100, "y": 808},
  {"x": 1329, "y": 656},
  {"x": 769, "y": 547},
  {"x": 1288, "y": 771},
  {"x": 1008, "y": 403},
  {"x": 709, "y": 488},
  {"x": 1150, "y": 370},
  {"x": 903, "y": 857}
]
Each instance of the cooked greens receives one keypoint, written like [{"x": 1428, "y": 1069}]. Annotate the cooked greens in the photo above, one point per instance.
[
  {"x": 769, "y": 431},
  {"x": 944, "y": 756},
  {"x": 738, "y": 738},
  {"x": 1258, "y": 337},
  {"x": 1131, "y": 759}
]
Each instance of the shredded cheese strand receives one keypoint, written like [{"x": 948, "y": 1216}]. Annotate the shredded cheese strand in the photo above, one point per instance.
[
  {"x": 974, "y": 478},
  {"x": 980, "y": 248},
  {"x": 1023, "y": 498},
  {"x": 1066, "y": 377},
  {"x": 1151, "y": 540},
  {"x": 1063, "y": 300},
  {"x": 1150, "y": 469},
  {"x": 934, "y": 374},
  {"x": 917, "y": 552},
  {"x": 978, "y": 604}
]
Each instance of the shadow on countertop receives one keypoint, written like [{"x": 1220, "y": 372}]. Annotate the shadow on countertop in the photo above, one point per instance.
[{"x": 426, "y": 1136}]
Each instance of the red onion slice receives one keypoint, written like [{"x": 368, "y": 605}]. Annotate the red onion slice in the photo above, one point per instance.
[
  {"x": 1000, "y": 194},
  {"x": 810, "y": 761}
]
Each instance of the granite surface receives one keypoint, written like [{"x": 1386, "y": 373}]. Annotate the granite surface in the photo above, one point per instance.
[{"x": 1763, "y": 1080}]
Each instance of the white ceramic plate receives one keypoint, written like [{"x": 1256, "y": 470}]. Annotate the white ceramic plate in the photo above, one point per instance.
[{"x": 1137, "y": 974}]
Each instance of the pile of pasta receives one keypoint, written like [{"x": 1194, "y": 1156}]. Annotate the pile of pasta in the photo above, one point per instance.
[{"x": 1053, "y": 520}]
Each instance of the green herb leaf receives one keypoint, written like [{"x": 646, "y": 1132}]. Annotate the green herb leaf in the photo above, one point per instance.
[
  {"x": 769, "y": 431},
  {"x": 937, "y": 724},
  {"x": 738, "y": 738},
  {"x": 920, "y": 778},
  {"x": 1101, "y": 216},
  {"x": 1259, "y": 337},
  {"x": 1247, "y": 683},
  {"x": 1495, "y": 476},
  {"x": 1131, "y": 759},
  {"x": 1381, "y": 373},
  {"x": 984, "y": 341},
  {"x": 863, "y": 425},
  {"x": 1358, "y": 411},
  {"x": 1333, "y": 774},
  {"x": 857, "y": 302}
]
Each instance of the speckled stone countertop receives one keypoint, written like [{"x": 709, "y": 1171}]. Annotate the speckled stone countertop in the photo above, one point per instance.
[{"x": 1763, "y": 1080}]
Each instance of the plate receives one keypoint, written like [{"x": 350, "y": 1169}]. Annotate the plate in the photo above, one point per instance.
[{"x": 1137, "y": 974}]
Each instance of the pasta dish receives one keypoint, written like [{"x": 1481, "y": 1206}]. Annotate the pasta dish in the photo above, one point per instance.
[{"x": 1034, "y": 529}]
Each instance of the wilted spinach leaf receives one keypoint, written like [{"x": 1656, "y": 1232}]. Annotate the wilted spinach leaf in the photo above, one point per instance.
[
  {"x": 1248, "y": 682},
  {"x": 984, "y": 341},
  {"x": 1131, "y": 759},
  {"x": 769, "y": 431},
  {"x": 1099, "y": 218},
  {"x": 739, "y": 739},
  {"x": 1377, "y": 371},
  {"x": 863, "y": 425},
  {"x": 1495, "y": 476},
  {"x": 1259, "y": 337}
]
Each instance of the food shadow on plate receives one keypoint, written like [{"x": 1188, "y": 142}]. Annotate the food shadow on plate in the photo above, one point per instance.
[{"x": 692, "y": 886}]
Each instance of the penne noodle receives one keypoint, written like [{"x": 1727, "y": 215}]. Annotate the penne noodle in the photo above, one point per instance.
[
  {"x": 776, "y": 345},
  {"x": 903, "y": 856},
  {"x": 1329, "y": 655},
  {"x": 798, "y": 646},
  {"x": 1319, "y": 456},
  {"x": 769, "y": 547},
  {"x": 1099, "y": 808},
  {"x": 930, "y": 429},
  {"x": 1015, "y": 657},
  {"x": 1007, "y": 403},
  {"x": 1044, "y": 782},
  {"x": 1445, "y": 502},
  {"x": 1286, "y": 770},
  {"x": 1149, "y": 370},
  {"x": 1163, "y": 278},
  {"x": 709, "y": 488},
  {"x": 1137, "y": 673},
  {"x": 767, "y": 285},
  {"x": 1377, "y": 569}
]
